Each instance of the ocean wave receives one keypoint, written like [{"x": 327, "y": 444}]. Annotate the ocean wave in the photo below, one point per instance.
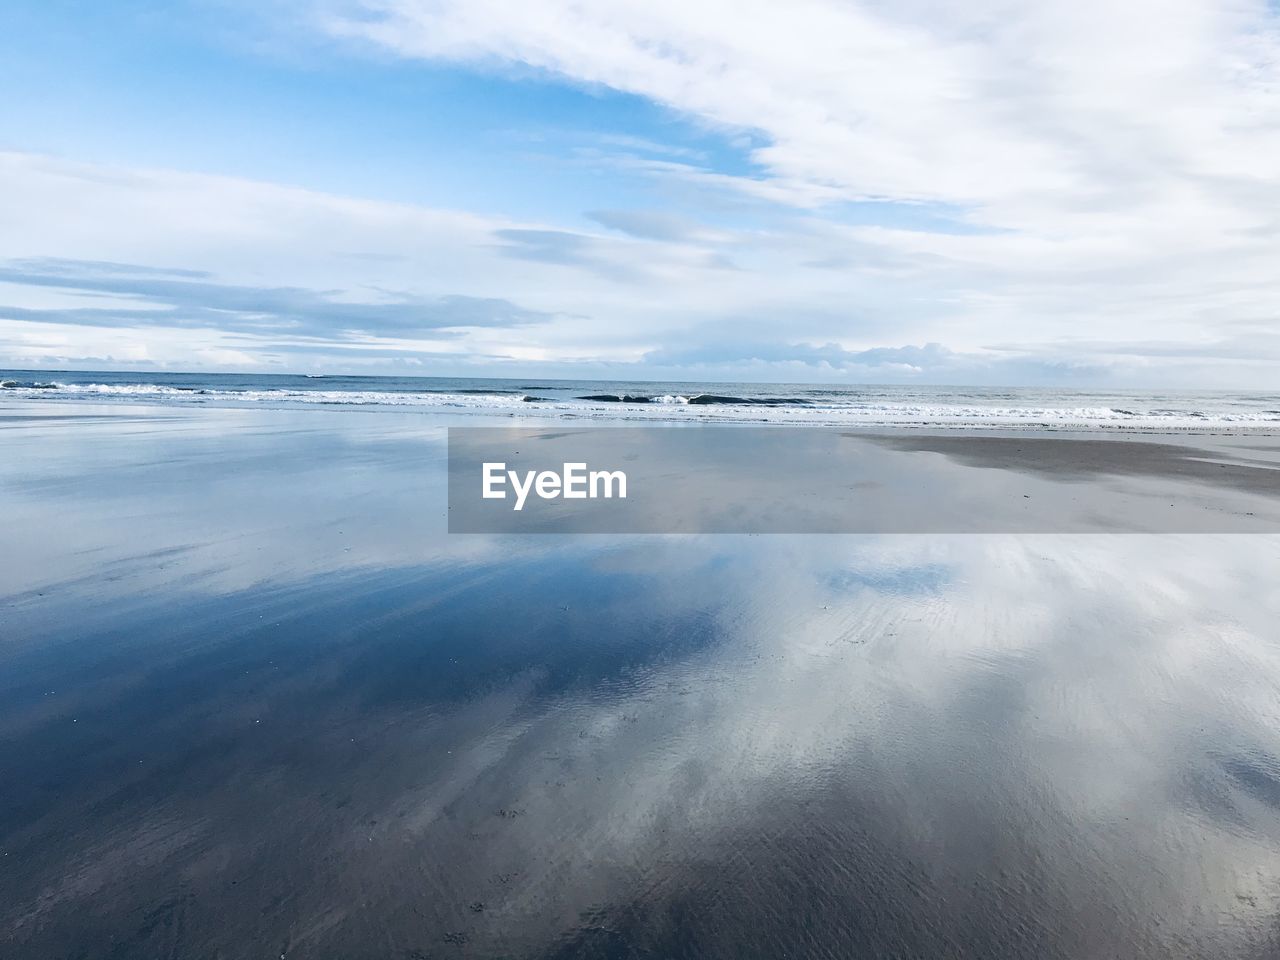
[
  {"x": 697, "y": 400},
  {"x": 711, "y": 399},
  {"x": 165, "y": 392},
  {"x": 616, "y": 398},
  {"x": 853, "y": 407}
]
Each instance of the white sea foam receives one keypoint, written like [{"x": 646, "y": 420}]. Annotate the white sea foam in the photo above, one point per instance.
[{"x": 866, "y": 407}]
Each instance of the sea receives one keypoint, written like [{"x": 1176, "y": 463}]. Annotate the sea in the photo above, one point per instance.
[{"x": 826, "y": 405}]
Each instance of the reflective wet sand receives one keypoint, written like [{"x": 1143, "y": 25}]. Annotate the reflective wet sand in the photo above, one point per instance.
[{"x": 254, "y": 701}]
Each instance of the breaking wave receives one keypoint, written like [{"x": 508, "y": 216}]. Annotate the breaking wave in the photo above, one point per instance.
[{"x": 867, "y": 406}]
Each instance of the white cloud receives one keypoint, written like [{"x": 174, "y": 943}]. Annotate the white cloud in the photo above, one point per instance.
[
  {"x": 1014, "y": 108},
  {"x": 1123, "y": 157},
  {"x": 1052, "y": 289},
  {"x": 597, "y": 296}
]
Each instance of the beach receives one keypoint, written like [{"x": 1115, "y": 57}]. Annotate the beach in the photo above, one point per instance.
[
  {"x": 256, "y": 700},
  {"x": 546, "y": 480}
]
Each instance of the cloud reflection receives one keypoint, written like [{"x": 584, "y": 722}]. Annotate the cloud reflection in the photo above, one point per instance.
[{"x": 734, "y": 746}]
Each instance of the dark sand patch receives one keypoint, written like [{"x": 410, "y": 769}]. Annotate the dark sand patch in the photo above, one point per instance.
[{"x": 1064, "y": 458}]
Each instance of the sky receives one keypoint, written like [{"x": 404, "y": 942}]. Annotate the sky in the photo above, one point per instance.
[{"x": 1069, "y": 192}]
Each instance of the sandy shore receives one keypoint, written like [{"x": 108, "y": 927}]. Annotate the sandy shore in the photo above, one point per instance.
[{"x": 1247, "y": 463}]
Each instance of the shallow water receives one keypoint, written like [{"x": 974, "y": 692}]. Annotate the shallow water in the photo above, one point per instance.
[{"x": 254, "y": 701}]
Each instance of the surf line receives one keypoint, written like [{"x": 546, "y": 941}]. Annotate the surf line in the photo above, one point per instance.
[{"x": 573, "y": 482}]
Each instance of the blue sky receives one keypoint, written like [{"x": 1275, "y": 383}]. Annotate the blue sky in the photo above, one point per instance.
[
  {"x": 133, "y": 85},
  {"x": 838, "y": 192}
]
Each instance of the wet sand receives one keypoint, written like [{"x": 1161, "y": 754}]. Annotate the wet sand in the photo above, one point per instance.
[
  {"x": 255, "y": 701},
  {"x": 1244, "y": 463},
  {"x": 749, "y": 479}
]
